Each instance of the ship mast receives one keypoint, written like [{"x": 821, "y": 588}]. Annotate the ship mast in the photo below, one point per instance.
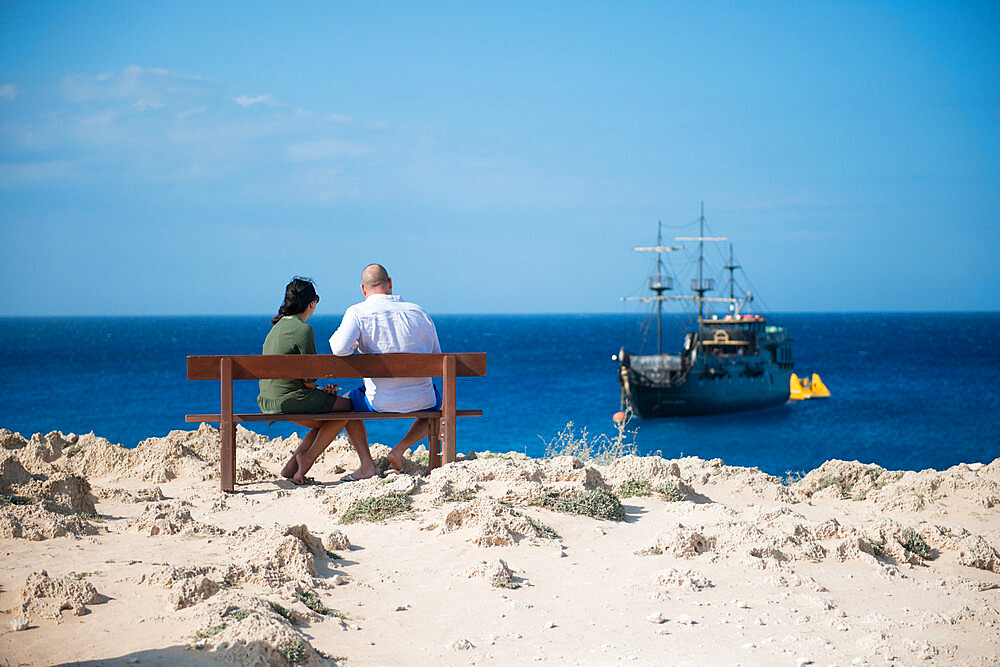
[
  {"x": 659, "y": 283},
  {"x": 659, "y": 288},
  {"x": 700, "y": 285},
  {"x": 731, "y": 267}
]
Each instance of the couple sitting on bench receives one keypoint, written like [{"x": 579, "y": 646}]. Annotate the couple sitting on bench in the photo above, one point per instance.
[{"x": 380, "y": 324}]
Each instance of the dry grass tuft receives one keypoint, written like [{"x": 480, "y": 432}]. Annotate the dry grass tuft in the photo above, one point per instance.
[{"x": 599, "y": 449}]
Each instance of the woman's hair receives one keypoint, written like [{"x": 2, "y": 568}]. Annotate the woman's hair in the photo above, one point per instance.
[{"x": 298, "y": 295}]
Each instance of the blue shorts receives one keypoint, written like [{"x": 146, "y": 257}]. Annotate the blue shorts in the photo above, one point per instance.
[{"x": 360, "y": 403}]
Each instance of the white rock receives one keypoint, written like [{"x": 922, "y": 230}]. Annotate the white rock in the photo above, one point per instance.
[
  {"x": 18, "y": 624},
  {"x": 201, "y": 643},
  {"x": 338, "y": 579},
  {"x": 656, "y": 617},
  {"x": 684, "y": 619},
  {"x": 336, "y": 539},
  {"x": 461, "y": 645},
  {"x": 759, "y": 621}
]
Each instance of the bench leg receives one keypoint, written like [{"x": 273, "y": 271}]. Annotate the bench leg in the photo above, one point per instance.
[
  {"x": 433, "y": 444},
  {"x": 448, "y": 408},
  {"x": 227, "y": 430}
]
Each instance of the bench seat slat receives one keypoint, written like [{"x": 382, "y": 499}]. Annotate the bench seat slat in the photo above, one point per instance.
[{"x": 330, "y": 416}]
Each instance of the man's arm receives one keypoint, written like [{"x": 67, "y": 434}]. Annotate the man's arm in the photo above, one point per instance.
[{"x": 347, "y": 336}]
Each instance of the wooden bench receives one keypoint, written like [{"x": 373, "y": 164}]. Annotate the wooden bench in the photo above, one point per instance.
[{"x": 225, "y": 369}]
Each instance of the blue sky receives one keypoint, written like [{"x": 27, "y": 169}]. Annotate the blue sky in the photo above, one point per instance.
[{"x": 162, "y": 158}]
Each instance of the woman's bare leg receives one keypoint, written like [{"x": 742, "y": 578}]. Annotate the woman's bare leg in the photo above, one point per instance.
[
  {"x": 292, "y": 466},
  {"x": 305, "y": 460}
]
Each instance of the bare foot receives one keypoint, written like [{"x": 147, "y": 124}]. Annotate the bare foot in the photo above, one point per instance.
[
  {"x": 290, "y": 468},
  {"x": 396, "y": 461},
  {"x": 299, "y": 477},
  {"x": 359, "y": 474}
]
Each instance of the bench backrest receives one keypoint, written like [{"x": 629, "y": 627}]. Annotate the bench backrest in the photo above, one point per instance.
[{"x": 292, "y": 366}]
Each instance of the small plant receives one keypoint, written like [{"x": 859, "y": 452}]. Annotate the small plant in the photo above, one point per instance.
[
  {"x": 500, "y": 581},
  {"x": 91, "y": 516},
  {"x": 240, "y": 614},
  {"x": 72, "y": 450},
  {"x": 423, "y": 458},
  {"x": 377, "y": 508},
  {"x": 596, "y": 503},
  {"x": 601, "y": 449},
  {"x": 878, "y": 548},
  {"x": 339, "y": 614},
  {"x": 544, "y": 530},
  {"x": 293, "y": 652},
  {"x": 914, "y": 542},
  {"x": 669, "y": 492},
  {"x": 792, "y": 477},
  {"x": 211, "y": 632},
  {"x": 461, "y": 496},
  {"x": 633, "y": 488},
  {"x": 280, "y": 611},
  {"x": 650, "y": 551},
  {"x": 230, "y": 581},
  {"x": 312, "y": 601},
  {"x": 333, "y": 555},
  {"x": 429, "y": 526},
  {"x": 18, "y": 500}
]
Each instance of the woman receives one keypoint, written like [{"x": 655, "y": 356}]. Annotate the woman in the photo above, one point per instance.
[{"x": 291, "y": 335}]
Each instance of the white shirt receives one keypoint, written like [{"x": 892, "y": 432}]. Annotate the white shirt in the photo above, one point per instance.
[{"x": 384, "y": 323}]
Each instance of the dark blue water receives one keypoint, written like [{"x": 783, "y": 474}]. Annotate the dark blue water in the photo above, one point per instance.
[{"x": 910, "y": 391}]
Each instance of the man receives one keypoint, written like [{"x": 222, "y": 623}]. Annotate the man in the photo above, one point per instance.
[{"x": 381, "y": 324}]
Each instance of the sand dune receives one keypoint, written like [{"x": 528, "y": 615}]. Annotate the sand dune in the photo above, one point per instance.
[{"x": 116, "y": 556}]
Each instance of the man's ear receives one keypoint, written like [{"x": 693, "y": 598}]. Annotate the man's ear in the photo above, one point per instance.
[
  {"x": 390, "y": 285},
  {"x": 363, "y": 292}
]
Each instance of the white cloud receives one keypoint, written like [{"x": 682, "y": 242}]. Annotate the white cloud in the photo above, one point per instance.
[
  {"x": 246, "y": 101},
  {"x": 147, "y": 103},
  {"x": 8, "y": 91},
  {"x": 325, "y": 149},
  {"x": 339, "y": 118}
]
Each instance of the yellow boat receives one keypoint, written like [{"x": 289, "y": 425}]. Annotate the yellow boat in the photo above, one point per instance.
[{"x": 801, "y": 389}]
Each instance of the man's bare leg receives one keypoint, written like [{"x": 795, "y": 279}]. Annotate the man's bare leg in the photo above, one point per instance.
[
  {"x": 418, "y": 431},
  {"x": 357, "y": 435}
]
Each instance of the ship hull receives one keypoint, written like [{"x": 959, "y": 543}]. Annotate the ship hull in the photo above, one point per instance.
[{"x": 700, "y": 395}]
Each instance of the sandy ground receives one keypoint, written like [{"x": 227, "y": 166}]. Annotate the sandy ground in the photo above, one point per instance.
[{"x": 114, "y": 556}]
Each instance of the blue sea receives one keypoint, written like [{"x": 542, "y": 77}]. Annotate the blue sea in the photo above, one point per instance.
[{"x": 909, "y": 390}]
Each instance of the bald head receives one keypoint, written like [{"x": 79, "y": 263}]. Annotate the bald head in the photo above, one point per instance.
[{"x": 375, "y": 280}]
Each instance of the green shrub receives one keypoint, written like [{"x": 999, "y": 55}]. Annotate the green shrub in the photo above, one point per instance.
[
  {"x": 878, "y": 548},
  {"x": 211, "y": 632},
  {"x": 18, "y": 500},
  {"x": 378, "y": 508},
  {"x": 240, "y": 614},
  {"x": 546, "y": 531},
  {"x": 280, "y": 611},
  {"x": 293, "y": 652},
  {"x": 596, "y": 503},
  {"x": 633, "y": 488},
  {"x": 914, "y": 542},
  {"x": 312, "y": 601},
  {"x": 669, "y": 492}
]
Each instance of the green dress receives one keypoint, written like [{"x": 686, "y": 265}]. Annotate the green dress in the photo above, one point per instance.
[{"x": 291, "y": 336}]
